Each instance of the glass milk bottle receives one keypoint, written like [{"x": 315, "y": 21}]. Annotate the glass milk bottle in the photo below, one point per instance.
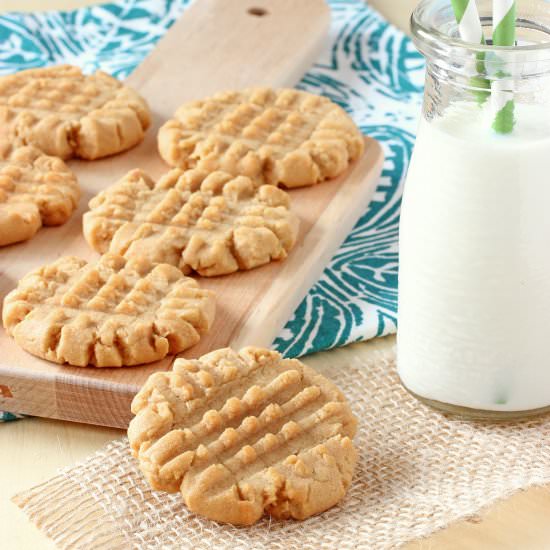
[{"x": 474, "y": 272}]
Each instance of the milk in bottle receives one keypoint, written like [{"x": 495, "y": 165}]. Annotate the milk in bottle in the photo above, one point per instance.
[{"x": 474, "y": 251}]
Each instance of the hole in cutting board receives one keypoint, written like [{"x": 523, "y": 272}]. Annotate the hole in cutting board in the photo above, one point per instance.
[{"x": 257, "y": 12}]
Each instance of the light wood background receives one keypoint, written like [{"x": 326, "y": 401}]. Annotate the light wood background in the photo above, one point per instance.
[{"x": 31, "y": 451}]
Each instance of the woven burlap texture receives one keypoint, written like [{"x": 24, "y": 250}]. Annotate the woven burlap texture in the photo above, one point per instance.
[{"x": 418, "y": 472}]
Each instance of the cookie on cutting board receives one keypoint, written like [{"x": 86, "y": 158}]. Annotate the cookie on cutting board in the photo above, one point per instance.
[
  {"x": 281, "y": 137},
  {"x": 115, "y": 312},
  {"x": 35, "y": 190},
  {"x": 241, "y": 434},
  {"x": 211, "y": 223},
  {"x": 68, "y": 114}
]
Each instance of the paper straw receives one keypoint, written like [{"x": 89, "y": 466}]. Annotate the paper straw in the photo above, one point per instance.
[
  {"x": 469, "y": 24},
  {"x": 471, "y": 30},
  {"x": 504, "y": 22},
  {"x": 504, "y": 34}
]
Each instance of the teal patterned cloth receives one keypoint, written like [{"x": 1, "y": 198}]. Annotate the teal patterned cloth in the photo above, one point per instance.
[{"x": 368, "y": 67}]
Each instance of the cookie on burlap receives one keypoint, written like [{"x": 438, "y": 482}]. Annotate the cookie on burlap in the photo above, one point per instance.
[
  {"x": 112, "y": 313},
  {"x": 281, "y": 137},
  {"x": 243, "y": 434},
  {"x": 213, "y": 223},
  {"x": 35, "y": 190},
  {"x": 67, "y": 114}
]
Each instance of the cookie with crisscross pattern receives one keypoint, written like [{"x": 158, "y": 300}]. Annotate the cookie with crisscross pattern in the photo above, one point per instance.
[
  {"x": 35, "y": 190},
  {"x": 243, "y": 434},
  {"x": 281, "y": 137},
  {"x": 212, "y": 223},
  {"x": 68, "y": 114},
  {"x": 115, "y": 312}
]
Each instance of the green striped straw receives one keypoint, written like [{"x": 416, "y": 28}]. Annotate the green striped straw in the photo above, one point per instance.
[
  {"x": 469, "y": 24},
  {"x": 470, "y": 30},
  {"x": 504, "y": 34}
]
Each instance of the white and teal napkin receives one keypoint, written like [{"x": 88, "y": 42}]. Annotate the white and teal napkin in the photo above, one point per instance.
[{"x": 368, "y": 67}]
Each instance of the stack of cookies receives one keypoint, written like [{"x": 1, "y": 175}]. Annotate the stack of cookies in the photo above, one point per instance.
[{"x": 239, "y": 434}]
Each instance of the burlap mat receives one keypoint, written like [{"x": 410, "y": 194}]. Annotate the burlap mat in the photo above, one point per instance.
[{"x": 418, "y": 472}]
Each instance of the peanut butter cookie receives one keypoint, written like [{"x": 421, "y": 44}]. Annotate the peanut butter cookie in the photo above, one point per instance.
[
  {"x": 116, "y": 312},
  {"x": 243, "y": 434},
  {"x": 281, "y": 137},
  {"x": 212, "y": 223},
  {"x": 68, "y": 114},
  {"x": 35, "y": 190}
]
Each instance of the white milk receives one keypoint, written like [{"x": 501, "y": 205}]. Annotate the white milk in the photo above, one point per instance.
[{"x": 474, "y": 271}]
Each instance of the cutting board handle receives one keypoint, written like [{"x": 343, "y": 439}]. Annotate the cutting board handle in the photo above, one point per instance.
[{"x": 220, "y": 44}]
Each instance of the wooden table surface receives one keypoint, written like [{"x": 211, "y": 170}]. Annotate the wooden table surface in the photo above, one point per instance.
[{"x": 32, "y": 450}]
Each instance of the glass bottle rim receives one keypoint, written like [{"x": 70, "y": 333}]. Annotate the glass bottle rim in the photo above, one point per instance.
[{"x": 432, "y": 39}]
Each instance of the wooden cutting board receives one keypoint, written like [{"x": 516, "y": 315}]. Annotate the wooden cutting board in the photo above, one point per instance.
[{"x": 215, "y": 45}]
